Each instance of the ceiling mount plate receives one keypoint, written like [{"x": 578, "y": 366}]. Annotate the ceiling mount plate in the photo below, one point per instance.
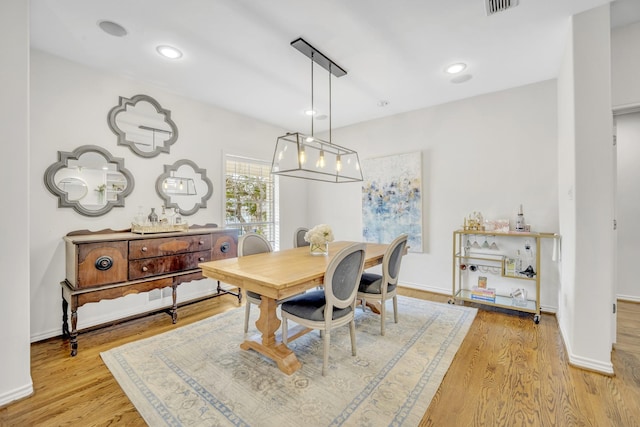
[{"x": 318, "y": 57}]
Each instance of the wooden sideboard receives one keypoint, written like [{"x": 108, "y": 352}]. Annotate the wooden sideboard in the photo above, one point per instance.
[{"x": 111, "y": 264}]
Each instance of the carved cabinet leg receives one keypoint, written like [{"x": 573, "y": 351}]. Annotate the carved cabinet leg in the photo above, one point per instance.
[
  {"x": 74, "y": 330},
  {"x": 174, "y": 307},
  {"x": 65, "y": 319}
]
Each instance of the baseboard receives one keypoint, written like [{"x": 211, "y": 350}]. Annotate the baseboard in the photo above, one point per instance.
[
  {"x": 16, "y": 394},
  {"x": 628, "y": 298},
  {"x": 583, "y": 362},
  {"x": 432, "y": 289}
]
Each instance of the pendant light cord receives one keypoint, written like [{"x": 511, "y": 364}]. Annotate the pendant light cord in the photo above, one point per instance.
[
  {"x": 312, "y": 110},
  {"x": 329, "y": 103}
]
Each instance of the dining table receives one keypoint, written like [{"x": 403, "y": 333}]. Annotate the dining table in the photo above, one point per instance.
[{"x": 275, "y": 276}]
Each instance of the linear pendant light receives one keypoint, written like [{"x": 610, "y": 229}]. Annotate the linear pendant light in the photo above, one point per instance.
[{"x": 305, "y": 156}]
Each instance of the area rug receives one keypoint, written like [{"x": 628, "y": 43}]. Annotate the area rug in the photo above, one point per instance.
[{"x": 197, "y": 375}]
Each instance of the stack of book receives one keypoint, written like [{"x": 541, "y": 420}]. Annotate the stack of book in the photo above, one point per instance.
[{"x": 483, "y": 294}]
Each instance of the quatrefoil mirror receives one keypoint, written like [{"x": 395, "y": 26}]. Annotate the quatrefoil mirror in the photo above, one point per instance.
[
  {"x": 184, "y": 186},
  {"x": 89, "y": 180},
  {"x": 143, "y": 125}
]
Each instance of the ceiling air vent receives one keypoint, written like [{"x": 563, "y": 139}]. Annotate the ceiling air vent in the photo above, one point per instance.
[{"x": 495, "y": 6}]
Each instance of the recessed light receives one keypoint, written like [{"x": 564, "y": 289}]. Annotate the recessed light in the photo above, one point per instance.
[
  {"x": 112, "y": 28},
  {"x": 383, "y": 103},
  {"x": 456, "y": 68},
  {"x": 169, "y": 52},
  {"x": 310, "y": 112}
]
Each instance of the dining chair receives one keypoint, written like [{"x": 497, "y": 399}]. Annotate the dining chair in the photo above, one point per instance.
[
  {"x": 251, "y": 244},
  {"x": 383, "y": 287},
  {"x": 298, "y": 237},
  {"x": 332, "y": 307}
]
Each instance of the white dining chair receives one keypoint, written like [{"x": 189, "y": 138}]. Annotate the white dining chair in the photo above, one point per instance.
[
  {"x": 332, "y": 307},
  {"x": 383, "y": 287},
  {"x": 298, "y": 237},
  {"x": 251, "y": 244}
]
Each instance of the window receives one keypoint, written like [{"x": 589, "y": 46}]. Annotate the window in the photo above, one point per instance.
[{"x": 251, "y": 198}]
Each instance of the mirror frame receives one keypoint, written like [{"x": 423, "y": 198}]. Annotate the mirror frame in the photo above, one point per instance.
[
  {"x": 122, "y": 136},
  {"x": 167, "y": 197},
  {"x": 63, "y": 200}
]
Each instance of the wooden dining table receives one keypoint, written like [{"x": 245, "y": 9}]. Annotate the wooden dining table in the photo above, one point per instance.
[{"x": 275, "y": 276}]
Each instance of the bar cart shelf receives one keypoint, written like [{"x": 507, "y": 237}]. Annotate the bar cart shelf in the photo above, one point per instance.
[{"x": 469, "y": 263}]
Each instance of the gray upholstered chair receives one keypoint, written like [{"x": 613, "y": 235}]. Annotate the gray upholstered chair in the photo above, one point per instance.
[
  {"x": 382, "y": 288},
  {"x": 298, "y": 237},
  {"x": 251, "y": 244},
  {"x": 332, "y": 307}
]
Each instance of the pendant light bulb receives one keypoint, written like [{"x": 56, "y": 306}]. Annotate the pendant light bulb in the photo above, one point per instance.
[
  {"x": 321, "y": 161},
  {"x": 338, "y": 163},
  {"x": 302, "y": 157}
]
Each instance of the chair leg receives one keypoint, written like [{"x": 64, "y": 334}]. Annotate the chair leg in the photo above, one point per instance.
[
  {"x": 352, "y": 331},
  {"x": 247, "y": 310},
  {"x": 325, "y": 356},
  {"x": 395, "y": 308},
  {"x": 363, "y": 302},
  {"x": 383, "y": 314}
]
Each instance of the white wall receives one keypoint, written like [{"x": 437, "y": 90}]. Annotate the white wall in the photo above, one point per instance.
[
  {"x": 15, "y": 369},
  {"x": 488, "y": 153},
  {"x": 586, "y": 188},
  {"x": 625, "y": 65},
  {"x": 69, "y": 107}
]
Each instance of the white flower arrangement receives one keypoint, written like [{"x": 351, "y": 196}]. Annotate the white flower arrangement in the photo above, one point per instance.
[{"x": 318, "y": 235}]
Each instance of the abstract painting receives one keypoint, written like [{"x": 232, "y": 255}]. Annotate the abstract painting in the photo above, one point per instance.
[{"x": 392, "y": 199}]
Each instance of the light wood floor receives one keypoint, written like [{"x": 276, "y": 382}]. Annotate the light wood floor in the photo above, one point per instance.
[{"x": 508, "y": 372}]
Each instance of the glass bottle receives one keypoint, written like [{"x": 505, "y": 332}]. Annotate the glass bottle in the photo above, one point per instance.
[
  {"x": 177, "y": 218},
  {"x": 140, "y": 216},
  {"x": 163, "y": 217},
  {"x": 153, "y": 216},
  {"x": 520, "y": 226},
  {"x": 518, "y": 263}
]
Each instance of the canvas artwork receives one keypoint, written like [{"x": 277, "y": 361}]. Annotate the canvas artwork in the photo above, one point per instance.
[{"x": 392, "y": 199}]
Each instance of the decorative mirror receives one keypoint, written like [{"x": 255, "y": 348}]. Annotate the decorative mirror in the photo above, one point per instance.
[
  {"x": 184, "y": 186},
  {"x": 143, "y": 125},
  {"x": 89, "y": 180}
]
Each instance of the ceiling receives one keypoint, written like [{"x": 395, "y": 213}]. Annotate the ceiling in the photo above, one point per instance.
[{"x": 237, "y": 53}]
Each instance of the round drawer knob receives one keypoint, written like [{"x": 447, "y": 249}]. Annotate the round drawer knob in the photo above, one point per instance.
[
  {"x": 201, "y": 258},
  {"x": 104, "y": 263},
  {"x": 201, "y": 242},
  {"x": 143, "y": 249},
  {"x": 145, "y": 269}
]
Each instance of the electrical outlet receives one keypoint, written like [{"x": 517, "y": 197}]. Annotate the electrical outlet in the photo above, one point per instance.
[{"x": 154, "y": 295}]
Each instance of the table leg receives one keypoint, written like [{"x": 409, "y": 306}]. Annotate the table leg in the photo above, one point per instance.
[{"x": 268, "y": 324}]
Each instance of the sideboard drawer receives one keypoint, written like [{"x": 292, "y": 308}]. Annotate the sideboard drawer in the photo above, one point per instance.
[
  {"x": 101, "y": 264},
  {"x": 150, "y": 248},
  {"x": 148, "y": 267}
]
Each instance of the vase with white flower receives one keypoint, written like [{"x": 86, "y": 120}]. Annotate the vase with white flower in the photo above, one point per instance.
[{"x": 319, "y": 238}]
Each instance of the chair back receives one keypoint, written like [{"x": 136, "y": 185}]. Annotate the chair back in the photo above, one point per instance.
[
  {"x": 253, "y": 243},
  {"x": 342, "y": 277},
  {"x": 298, "y": 237},
  {"x": 392, "y": 259}
]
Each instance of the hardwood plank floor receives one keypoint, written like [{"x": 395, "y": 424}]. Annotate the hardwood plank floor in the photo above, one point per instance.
[{"x": 508, "y": 372}]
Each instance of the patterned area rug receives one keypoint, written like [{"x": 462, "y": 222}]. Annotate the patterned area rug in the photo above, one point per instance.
[{"x": 197, "y": 375}]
